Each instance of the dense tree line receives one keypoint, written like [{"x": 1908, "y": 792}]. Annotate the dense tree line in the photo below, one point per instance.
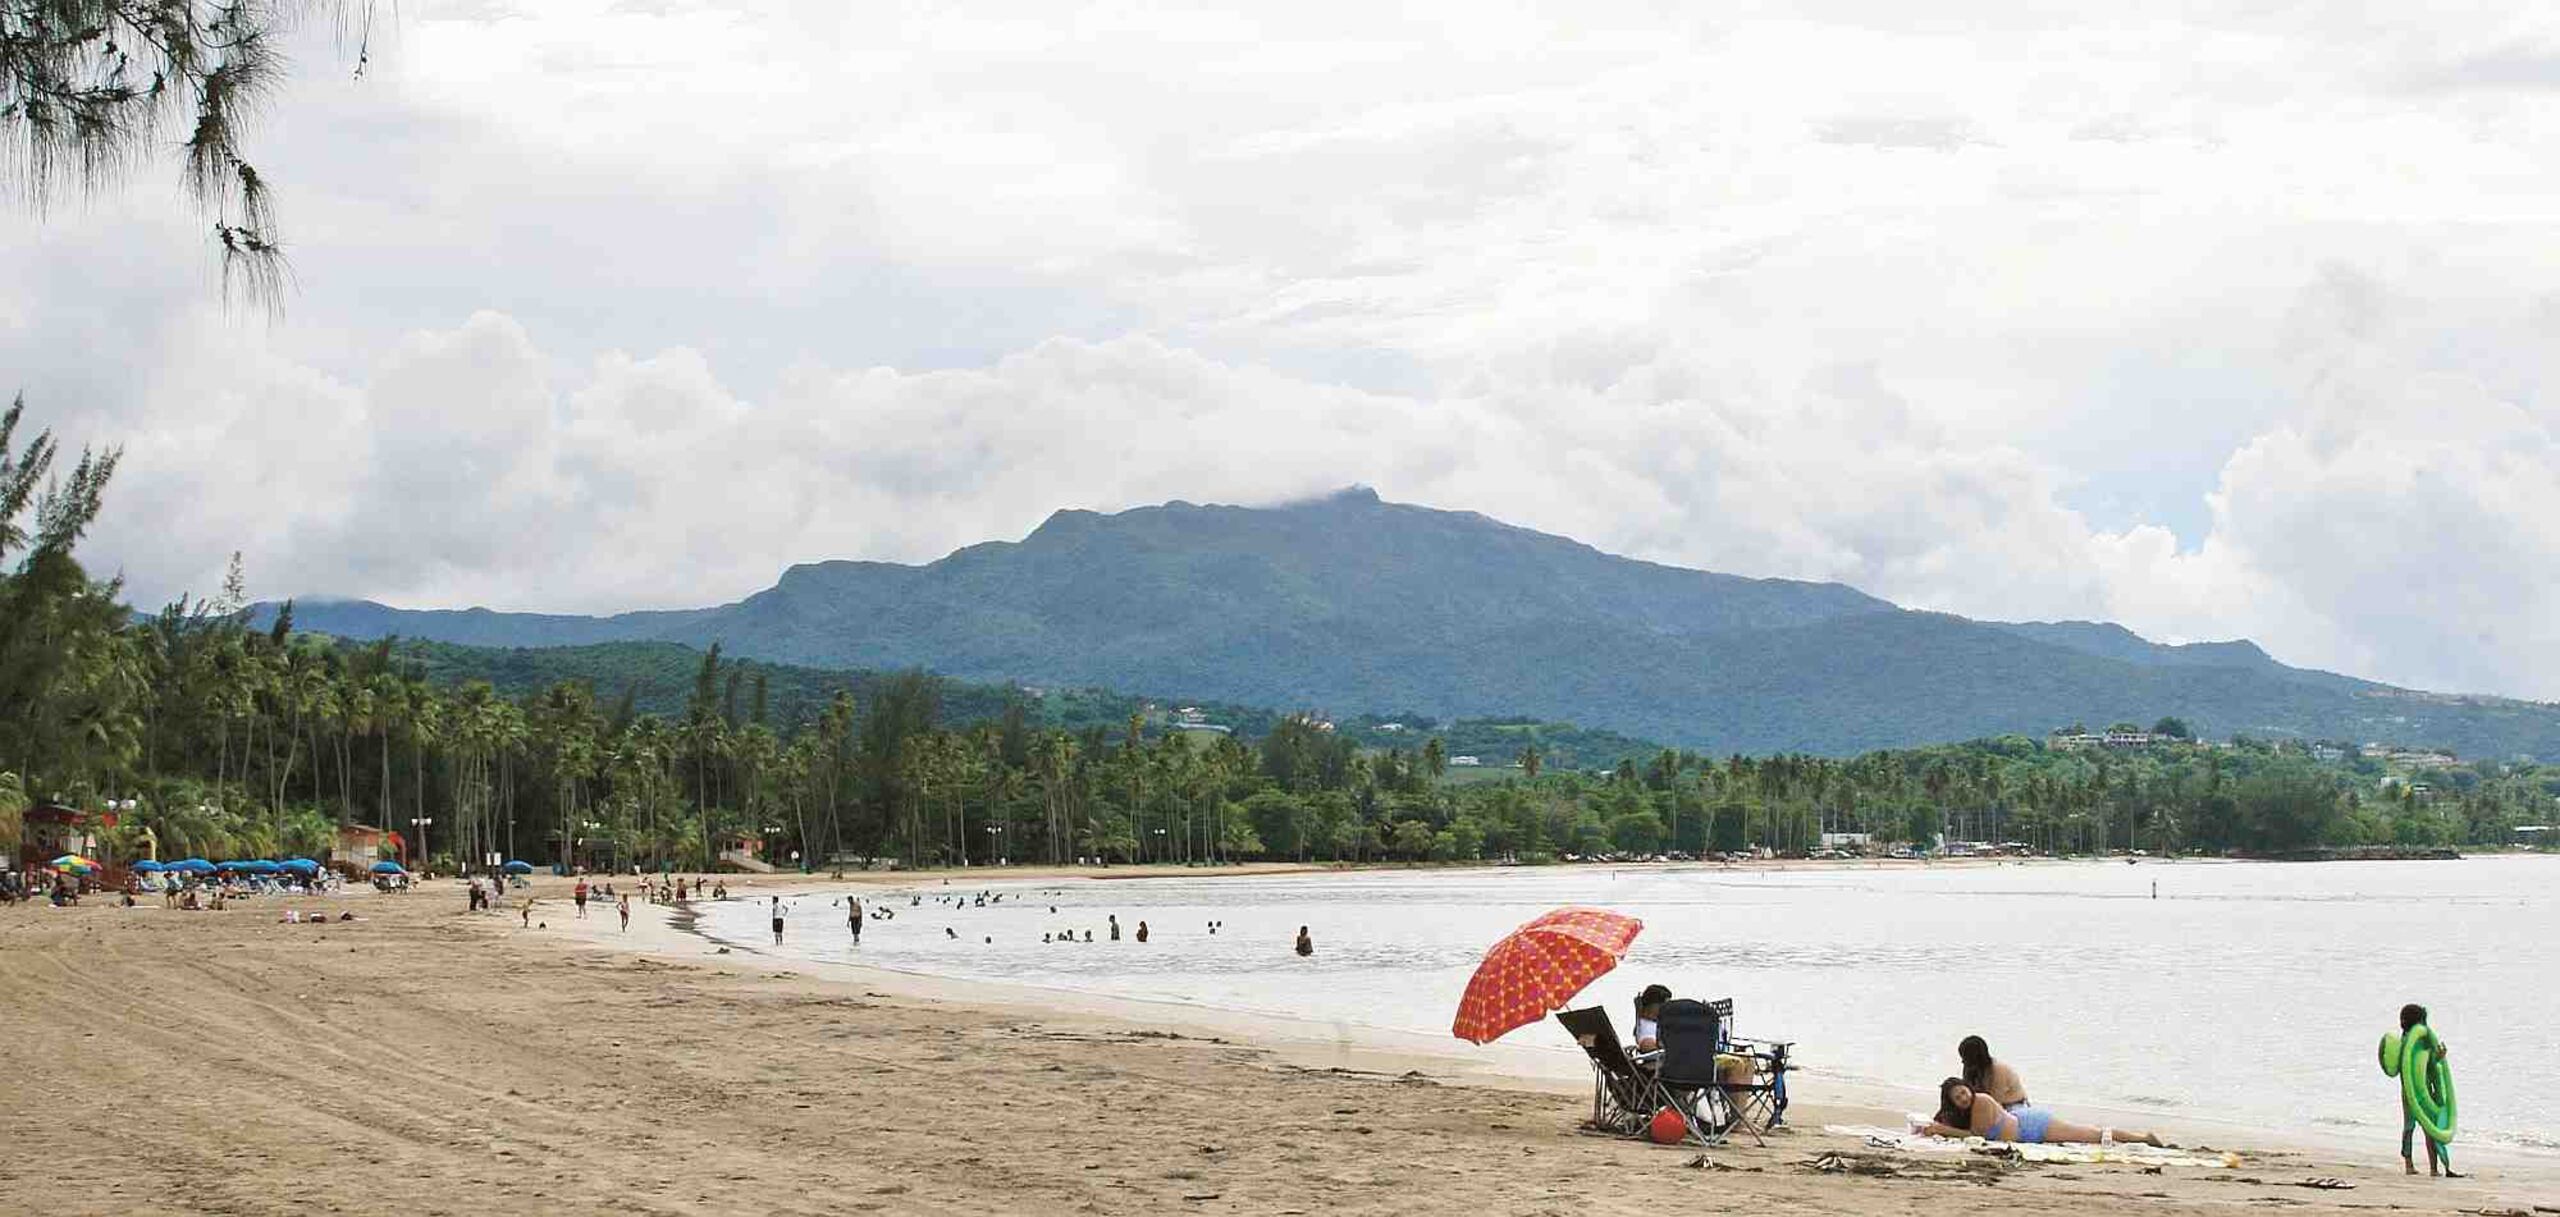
[{"x": 241, "y": 737}]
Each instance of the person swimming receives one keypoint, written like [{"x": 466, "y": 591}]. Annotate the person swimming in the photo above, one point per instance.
[{"x": 1966, "y": 1112}]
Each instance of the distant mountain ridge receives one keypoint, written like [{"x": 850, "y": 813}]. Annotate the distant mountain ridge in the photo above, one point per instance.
[{"x": 1351, "y": 604}]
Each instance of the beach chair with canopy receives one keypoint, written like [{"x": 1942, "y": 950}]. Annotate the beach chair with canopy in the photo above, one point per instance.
[{"x": 1624, "y": 1093}]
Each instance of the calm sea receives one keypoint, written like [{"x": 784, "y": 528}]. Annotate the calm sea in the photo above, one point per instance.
[{"x": 2250, "y": 993}]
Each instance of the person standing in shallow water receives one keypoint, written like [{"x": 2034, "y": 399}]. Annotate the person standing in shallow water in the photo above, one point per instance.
[
  {"x": 777, "y": 921},
  {"x": 1306, "y": 945},
  {"x": 625, "y": 908},
  {"x": 1142, "y": 931},
  {"x": 853, "y": 918},
  {"x": 1115, "y": 927}
]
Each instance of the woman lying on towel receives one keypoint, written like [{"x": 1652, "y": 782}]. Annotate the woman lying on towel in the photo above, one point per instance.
[{"x": 1966, "y": 1112}]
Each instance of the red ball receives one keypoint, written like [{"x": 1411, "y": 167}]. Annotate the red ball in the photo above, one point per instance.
[{"x": 1668, "y": 1127}]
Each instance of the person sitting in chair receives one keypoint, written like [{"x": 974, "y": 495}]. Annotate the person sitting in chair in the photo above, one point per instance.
[{"x": 1648, "y": 1015}]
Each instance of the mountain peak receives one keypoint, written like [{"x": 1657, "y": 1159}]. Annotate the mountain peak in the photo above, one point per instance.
[{"x": 1357, "y": 494}]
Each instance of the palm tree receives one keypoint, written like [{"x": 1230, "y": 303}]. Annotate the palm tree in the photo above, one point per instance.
[{"x": 13, "y": 812}]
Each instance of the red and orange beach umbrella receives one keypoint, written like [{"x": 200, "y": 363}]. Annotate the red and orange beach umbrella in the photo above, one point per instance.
[{"x": 1537, "y": 968}]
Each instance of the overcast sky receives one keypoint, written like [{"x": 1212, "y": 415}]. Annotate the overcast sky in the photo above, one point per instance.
[{"x": 2216, "y": 323}]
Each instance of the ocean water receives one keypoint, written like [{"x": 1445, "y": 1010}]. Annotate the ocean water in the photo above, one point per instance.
[{"x": 2243, "y": 993}]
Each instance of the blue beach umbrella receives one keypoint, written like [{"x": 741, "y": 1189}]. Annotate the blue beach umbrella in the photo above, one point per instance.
[
  {"x": 388, "y": 867},
  {"x": 146, "y": 867},
  {"x": 261, "y": 866},
  {"x": 519, "y": 868},
  {"x": 303, "y": 866}
]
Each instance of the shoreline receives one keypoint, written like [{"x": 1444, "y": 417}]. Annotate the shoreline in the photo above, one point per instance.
[{"x": 1507, "y": 1064}]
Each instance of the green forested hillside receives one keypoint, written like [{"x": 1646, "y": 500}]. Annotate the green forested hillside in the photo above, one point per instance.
[{"x": 1349, "y": 606}]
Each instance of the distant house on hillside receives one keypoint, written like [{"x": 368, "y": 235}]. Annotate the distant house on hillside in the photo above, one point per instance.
[
  {"x": 2131, "y": 739},
  {"x": 2327, "y": 752},
  {"x": 2073, "y": 741},
  {"x": 2416, "y": 758},
  {"x": 1391, "y": 728},
  {"x": 1466, "y": 761}
]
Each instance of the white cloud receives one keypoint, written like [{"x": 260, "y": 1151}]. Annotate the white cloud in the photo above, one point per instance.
[{"x": 2024, "y": 317}]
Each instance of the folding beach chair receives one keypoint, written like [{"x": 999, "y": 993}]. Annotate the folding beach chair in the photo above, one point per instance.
[
  {"x": 1624, "y": 1093},
  {"x": 1692, "y": 1033},
  {"x": 1759, "y": 1104}
]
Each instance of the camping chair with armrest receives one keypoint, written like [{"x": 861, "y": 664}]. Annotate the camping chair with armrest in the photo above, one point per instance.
[
  {"x": 1758, "y": 1101},
  {"x": 1624, "y": 1093},
  {"x": 1692, "y": 1032}
]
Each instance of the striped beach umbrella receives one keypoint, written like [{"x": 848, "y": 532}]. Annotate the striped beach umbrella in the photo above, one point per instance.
[
  {"x": 76, "y": 864},
  {"x": 1538, "y": 968}
]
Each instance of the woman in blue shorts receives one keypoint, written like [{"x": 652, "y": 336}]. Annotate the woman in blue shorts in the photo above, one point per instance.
[{"x": 1966, "y": 1112}]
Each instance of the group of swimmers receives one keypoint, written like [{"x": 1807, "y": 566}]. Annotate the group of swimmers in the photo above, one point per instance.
[{"x": 856, "y": 914}]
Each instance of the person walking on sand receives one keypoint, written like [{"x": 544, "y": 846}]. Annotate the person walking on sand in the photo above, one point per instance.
[
  {"x": 580, "y": 895},
  {"x": 777, "y": 921},
  {"x": 625, "y": 908},
  {"x": 1306, "y": 945},
  {"x": 527, "y": 912},
  {"x": 2413, "y": 1015}
]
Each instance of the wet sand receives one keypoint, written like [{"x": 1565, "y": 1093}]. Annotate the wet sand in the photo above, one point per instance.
[{"x": 424, "y": 1060}]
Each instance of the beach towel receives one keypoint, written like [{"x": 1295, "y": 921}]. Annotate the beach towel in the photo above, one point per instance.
[{"x": 2134, "y": 1155}]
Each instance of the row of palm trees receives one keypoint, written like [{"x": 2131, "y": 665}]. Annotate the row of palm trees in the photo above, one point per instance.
[{"x": 230, "y": 724}]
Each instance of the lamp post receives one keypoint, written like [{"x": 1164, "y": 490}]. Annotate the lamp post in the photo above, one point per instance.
[
  {"x": 420, "y": 823},
  {"x": 995, "y": 842}
]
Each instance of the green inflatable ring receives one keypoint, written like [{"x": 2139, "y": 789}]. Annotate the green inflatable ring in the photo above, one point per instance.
[
  {"x": 2391, "y": 1054},
  {"x": 2426, "y": 1084}
]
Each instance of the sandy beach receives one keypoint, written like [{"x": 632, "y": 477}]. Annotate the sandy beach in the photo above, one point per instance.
[{"x": 420, "y": 1059}]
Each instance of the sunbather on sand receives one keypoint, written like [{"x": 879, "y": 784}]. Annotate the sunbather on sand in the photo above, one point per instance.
[
  {"x": 1993, "y": 1077},
  {"x": 1966, "y": 1112}
]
